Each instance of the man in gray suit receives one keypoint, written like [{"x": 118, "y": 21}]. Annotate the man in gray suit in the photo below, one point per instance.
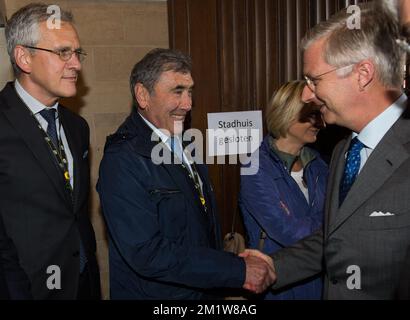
[
  {"x": 356, "y": 76},
  {"x": 400, "y": 11}
]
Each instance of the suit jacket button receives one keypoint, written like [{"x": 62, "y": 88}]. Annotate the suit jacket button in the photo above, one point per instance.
[{"x": 76, "y": 253}]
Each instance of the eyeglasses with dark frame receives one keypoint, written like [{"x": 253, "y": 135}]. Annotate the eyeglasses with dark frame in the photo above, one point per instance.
[
  {"x": 64, "y": 54},
  {"x": 310, "y": 81}
]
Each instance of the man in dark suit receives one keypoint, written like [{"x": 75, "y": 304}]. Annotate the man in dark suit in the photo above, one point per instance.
[
  {"x": 355, "y": 74},
  {"x": 44, "y": 167},
  {"x": 165, "y": 240},
  {"x": 400, "y": 11},
  {"x": 14, "y": 283}
]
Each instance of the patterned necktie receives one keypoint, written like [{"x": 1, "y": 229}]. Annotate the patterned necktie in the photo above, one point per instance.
[
  {"x": 49, "y": 114},
  {"x": 352, "y": 167}
]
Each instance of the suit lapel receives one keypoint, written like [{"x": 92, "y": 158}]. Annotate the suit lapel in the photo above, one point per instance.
[
  {"x": 382, "y": 163},
  {"x": 336, "y": 172},
  {"x": 27, "y": 127}
]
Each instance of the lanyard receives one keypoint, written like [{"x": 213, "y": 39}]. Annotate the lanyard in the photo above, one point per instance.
[
  {"x": 193, "y": 176},
  {"x": 58, "y": 152},
  {"x": 197, "y": 184}
]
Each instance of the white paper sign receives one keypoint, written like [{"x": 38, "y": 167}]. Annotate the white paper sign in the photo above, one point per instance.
[{"x": 234, "y": 132}]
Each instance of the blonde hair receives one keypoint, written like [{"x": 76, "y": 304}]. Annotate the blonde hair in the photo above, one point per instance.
[{"x": 284, "y": 107}]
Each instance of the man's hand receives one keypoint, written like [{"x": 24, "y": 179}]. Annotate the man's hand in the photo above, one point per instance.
[
  {"x": 258, "y": 254},
  {"x": 259, "y": 274}
]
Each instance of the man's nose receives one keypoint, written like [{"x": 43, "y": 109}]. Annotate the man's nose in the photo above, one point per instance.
[
  {"x": 186, "y": 102},
  {"x": 74, "y": 62},
  {"x": 308, "y": 95}
]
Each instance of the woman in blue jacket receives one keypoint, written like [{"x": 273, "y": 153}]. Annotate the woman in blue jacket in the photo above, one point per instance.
[{"x": 284, "y": 201}]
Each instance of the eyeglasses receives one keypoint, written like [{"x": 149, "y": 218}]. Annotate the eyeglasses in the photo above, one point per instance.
[
  {"x": 64, "y": 54},
  {"x": 311, "y": 82}
]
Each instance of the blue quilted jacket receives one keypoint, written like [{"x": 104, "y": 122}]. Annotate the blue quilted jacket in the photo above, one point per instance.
[{"x": 271, "y": 200}]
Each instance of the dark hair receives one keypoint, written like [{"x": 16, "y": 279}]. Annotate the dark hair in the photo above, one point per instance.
[{"x": 148, "y": 70}]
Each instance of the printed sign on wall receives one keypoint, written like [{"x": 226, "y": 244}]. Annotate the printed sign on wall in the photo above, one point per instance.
[{"x": 232, "y": 133}]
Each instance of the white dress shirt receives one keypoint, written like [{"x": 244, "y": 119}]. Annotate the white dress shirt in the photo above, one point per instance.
[
  {"x": 375, "y": 130},
  {"x": 36, "y": 106}
]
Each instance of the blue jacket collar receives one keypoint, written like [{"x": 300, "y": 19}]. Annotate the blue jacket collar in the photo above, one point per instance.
[
  {"x": 306, "y": 156},
  {"x": 137, "y": 132}
]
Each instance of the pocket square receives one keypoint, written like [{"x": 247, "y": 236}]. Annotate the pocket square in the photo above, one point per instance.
[
  {"x": 85, "y": 154},
  {"x": 381, "y": 214}
]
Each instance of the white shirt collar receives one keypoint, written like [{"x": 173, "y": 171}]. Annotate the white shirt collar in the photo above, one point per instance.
[
  {"x": 164, "y": 138},
  {"x": 375, "y": 130},
  {"x": 167, "y": 141},
  {"x": 32, "y": 103}
]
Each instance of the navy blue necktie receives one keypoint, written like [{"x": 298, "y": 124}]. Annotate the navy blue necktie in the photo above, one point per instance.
[
  {"x": 49, "y": 114},
  {"x": 176, "y": 148},
  {"x": 352, "y": 167}
]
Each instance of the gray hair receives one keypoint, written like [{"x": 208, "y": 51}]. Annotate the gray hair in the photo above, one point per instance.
[
  {"x": 23, "y": 28},
  {"x": 374, "y": 40},
  {"x": 148, "y": 70},
  {"x": 390, "y": 7}
]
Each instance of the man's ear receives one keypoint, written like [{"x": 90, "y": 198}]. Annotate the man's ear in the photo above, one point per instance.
[
  {"x": 366, "y": 71},
  {"x": 142, "y": 95},
  {"x": 23, "y": 58}
]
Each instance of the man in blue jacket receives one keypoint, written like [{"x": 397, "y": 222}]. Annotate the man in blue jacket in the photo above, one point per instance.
[{"x": 164, "y": 233}]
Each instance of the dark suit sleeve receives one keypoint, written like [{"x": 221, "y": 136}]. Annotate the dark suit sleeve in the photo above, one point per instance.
[
  {"x": 300, "y": 261},
  {"x": 132, "y": 220},
  {"x": 16, "y": 280}
]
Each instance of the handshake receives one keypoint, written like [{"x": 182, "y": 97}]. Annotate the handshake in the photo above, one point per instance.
[{"x": 260, "y": 271}]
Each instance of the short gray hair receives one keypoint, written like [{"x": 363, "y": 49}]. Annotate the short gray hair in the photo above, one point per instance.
[
  {"x": 374, "y": 40},
  {"x": 23, "y": 28},
  {"x": 390, "y": 7},
  {"x": 148, "y": 70}
]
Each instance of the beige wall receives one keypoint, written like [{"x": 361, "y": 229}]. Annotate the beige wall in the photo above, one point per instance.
[
  {"x": 116, "y": 34},
  {"x": 2, "y": 11},
  {"x": 5, "y": 68}
]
